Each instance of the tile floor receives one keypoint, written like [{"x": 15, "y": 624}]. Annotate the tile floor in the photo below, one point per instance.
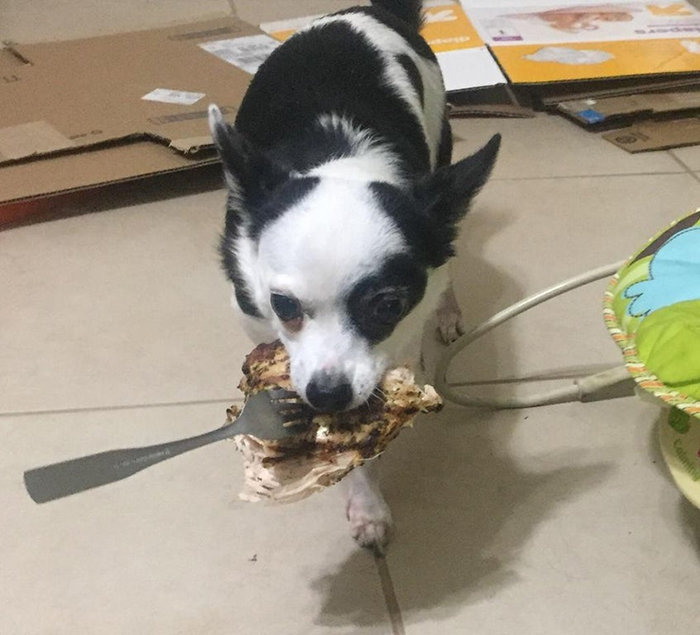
[{"x": 116, "y": 332}]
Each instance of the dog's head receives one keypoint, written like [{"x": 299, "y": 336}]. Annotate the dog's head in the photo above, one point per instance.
[{"x": 338, "y": 266}]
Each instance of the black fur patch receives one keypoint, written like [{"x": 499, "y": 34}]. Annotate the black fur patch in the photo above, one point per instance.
[
  {"x": 429, "y": 214},
  {"x": 409, "y": 11},
  {"x": 314, "y": 148},
  {"x": 401, "y": 274},
  {"x": 230, "y": 262},
  {"x": 280, "y": 111},
  {"x": 415, "y": 225},
  {"x": 278, "y": 203},
  {"x": 413, "y": 75}
]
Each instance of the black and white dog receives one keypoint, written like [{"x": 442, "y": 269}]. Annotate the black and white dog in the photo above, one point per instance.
[{"x": 343, "y": 208}]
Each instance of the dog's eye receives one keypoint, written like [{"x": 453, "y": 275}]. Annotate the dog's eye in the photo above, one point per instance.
[
  {"x": 388, "y": 308},
  {"x": 287, "y": 309}
]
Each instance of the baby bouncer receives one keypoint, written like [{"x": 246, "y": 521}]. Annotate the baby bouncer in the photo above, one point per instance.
[{"x": 652, "y": 311}]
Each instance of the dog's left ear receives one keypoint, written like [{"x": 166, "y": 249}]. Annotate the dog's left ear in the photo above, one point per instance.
[
  {"x": 249, "y": 173},
  {"x": 445, "y": 196}
]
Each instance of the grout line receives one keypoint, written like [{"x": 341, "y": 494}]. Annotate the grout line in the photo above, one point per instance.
[
  {"x": 392, "y": 604},
  {"x": 587, "y": 176},
  {"x": 682, "y": 163},
  {"x": 143, "y": 406}
]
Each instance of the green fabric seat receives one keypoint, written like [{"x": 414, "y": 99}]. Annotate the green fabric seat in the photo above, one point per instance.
[{"x": 652, "y": 310}]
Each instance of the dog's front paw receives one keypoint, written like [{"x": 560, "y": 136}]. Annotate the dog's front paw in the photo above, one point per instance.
[
  {"x": 450, "y": 325},
  {"x": 449, "y": 317},
  {"x": 370, "y": 523}
]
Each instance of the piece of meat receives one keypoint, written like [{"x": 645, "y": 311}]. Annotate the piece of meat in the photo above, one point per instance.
[{"x": 330, "y": 445}]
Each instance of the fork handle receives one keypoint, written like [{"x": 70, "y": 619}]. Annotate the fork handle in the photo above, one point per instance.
[{"x": 59, "y": 480}]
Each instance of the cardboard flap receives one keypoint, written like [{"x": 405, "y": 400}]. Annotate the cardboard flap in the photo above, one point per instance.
[
  {"x": 592, "y": 111},
  {"x": 193, "y": 145},
  {"x": 148, "y": 85},
  {"x": 37, "y": 137},
  {"x": 657, "y": 135}
]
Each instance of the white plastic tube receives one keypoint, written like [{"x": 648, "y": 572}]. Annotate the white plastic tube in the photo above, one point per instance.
[{"x": 581, "y": 390}]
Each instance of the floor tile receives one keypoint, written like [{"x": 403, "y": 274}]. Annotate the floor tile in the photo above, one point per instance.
[
  {"x": 550, "y": 146},
  {"x": 690, "y": 156},
  {"x": 540, "y": 522},
  {"x": 171, "y": 551},
  {"x": 126, "y": 306},
  {"x": 51, "y": 20},
  {"x": 524, "y": 236},
  {"x": 560, "y": 519}
]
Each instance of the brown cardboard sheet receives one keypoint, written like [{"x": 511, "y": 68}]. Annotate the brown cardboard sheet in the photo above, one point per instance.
[
  {"x": 657, "y": 135},
  {"x": 72, "y": 114}
]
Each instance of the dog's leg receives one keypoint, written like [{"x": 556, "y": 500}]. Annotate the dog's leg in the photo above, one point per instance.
[
  {"x": 367, "y": 511},
  {"x": 449, "y": 316}
]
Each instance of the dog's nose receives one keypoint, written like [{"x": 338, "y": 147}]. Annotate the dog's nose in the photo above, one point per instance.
[{"x": 329, "y": 393}]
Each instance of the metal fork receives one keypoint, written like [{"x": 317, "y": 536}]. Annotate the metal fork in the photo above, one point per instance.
[{"x": 272, "y": 415}]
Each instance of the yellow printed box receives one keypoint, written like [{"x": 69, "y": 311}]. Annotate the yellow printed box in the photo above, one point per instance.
[
  {"x": 533, "y": 63},
  {"x": 569, "y": 41}
]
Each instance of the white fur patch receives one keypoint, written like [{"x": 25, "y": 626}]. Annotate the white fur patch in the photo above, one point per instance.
[
  {"x": 339, "y": 224},
  {"x": 316, "y": 251},
  {"x": 369, "y": 161}
]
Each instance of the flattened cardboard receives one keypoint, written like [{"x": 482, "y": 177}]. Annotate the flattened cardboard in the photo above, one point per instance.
[
  {"x": 505, "y": 111},
  {"x": 72, "y": 116},
  {"x": 596, "y": 111},
  {"x": 25, "y": 139},
  {"x": 657, "y": 135},
  {"x": 550, "y": 95}
]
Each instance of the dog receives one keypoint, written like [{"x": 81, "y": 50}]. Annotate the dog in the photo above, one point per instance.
[{"x": 343, "y": 208}]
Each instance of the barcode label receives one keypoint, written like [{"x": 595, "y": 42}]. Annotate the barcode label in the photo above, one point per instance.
[
  {"x": 168, "y": 96},
  {"x": 248, "y": 53}
]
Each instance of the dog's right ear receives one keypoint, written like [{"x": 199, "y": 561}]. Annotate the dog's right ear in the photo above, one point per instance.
[{"x": 250, "y": 175}]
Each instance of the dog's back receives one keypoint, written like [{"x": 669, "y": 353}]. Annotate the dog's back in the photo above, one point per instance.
[{"x": 356, "y": 76}]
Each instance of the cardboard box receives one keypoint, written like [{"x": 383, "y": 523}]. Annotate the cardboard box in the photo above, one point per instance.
[
  {"x": 86, "y": 113},
  {"x": 83, "y": 113},
  {"x": 542, "y": 41}
]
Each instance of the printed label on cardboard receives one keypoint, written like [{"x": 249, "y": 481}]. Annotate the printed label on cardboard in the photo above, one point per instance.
[
  {"x": 168, "y": 96},
  {"x": 248, "y": 53}
]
